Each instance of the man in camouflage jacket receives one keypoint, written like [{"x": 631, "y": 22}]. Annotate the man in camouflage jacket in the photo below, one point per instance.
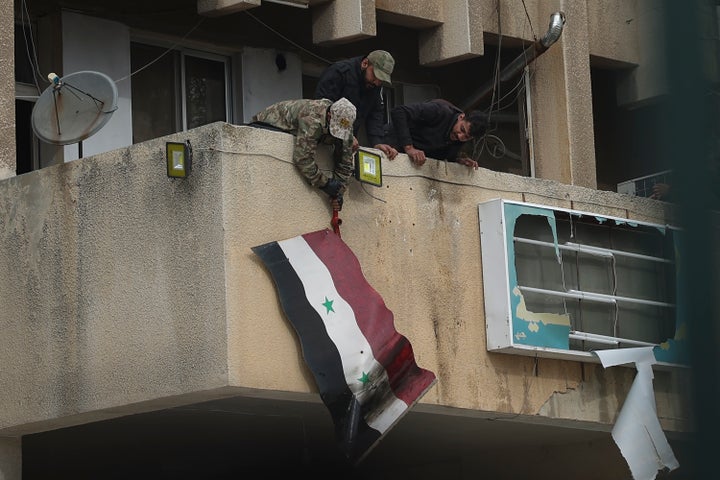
[{"x": 314, "y": 122}]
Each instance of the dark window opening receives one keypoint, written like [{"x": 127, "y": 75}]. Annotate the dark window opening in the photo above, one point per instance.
[
  {"x": 24, "y": 61},
  {"x": 24, "y": 137},
  {"x": 154, "y": 92},
  {"x": 504, "y": 147},
  {"x": 629, "y": 139}
]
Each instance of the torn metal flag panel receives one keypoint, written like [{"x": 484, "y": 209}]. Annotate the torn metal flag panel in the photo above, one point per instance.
[
  {"x": 637, "y": 431},
  {"x": 365, "y": 370}
]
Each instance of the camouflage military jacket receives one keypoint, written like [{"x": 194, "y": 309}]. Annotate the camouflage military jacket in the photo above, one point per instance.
[{"x": 307, "y": 120}]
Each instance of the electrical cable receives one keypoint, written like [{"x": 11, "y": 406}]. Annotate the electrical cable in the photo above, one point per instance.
[
  {"x": 561, "y": 198},
  {"x": 32, "y": 58},
  {"x": 529, "y": 21},
  {"x": 496, "y": 72},
  {"x": 168, "y": 50}
]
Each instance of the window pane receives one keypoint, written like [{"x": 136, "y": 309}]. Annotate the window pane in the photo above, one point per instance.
[
  {"x": 204, "y": 91},
  {"x": 154, "y": 92}
]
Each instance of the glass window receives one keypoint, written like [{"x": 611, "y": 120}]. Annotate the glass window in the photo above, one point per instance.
[
  {"x": 204, "y": 91},
  {"x": 154, "y": 92},
  {"x": 176, "y": 90}
]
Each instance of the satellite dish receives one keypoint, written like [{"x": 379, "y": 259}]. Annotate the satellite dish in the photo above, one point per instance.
[{"x": 74, "y": 107}]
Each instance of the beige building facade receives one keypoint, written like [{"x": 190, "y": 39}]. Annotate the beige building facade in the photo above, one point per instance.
[{"x": 143, "y": 338}]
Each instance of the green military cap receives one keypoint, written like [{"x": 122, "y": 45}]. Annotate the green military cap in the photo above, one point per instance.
[{"x": 383, "y": 64}]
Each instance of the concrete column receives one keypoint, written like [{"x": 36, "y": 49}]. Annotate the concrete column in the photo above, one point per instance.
[
  {"x": 459, "y": 37},
  {"x": 10, "y": 458},
  {"x": 343, "y": 21},
  {"x": 649, "y": 79},
  {"x": 418, "y": 13},
  {"x": 563, "y": 136},
  {"x": 7, "y": 90}
]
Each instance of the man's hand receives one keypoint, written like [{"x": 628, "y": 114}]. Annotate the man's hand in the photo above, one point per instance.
[
  {"x": 336, "y": 202},
  {"x": 333, "y": 187},
  {"x": 660, "y": 191},
  {"x": 387, "y": 150},
  {"x": 416, "y": 156},
  {"x": 468, "y": 162},
  {"x": 356, "y": 144}
]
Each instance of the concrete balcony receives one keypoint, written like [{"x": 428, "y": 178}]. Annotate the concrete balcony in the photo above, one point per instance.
[{"x": 130, "y": 296}]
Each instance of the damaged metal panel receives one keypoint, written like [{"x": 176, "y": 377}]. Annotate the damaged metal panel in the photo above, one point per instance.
[
  {"x": 562, "y": 283},
  {"x": 637, "y": 431}
]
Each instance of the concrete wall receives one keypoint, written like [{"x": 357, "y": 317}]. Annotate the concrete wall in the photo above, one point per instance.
[
  {"x": 124, "y": 290},
  {"x": 7, "y": 90},
  {"x": 112, "y": 278},
  {"x": 263, "y": 83}
]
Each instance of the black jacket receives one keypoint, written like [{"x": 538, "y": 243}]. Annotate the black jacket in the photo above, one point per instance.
[
  {"x": 426, "y": 126},
  {"x": 346, "y": 79}
]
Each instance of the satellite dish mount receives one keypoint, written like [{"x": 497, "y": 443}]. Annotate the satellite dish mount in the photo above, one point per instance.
[{"x": 74, "y": 107}]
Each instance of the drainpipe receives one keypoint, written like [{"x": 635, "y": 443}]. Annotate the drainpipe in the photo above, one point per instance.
[{"x": 514, "y": 68}]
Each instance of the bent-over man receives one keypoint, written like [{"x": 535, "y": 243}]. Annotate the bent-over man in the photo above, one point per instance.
[
  {"x": 314, "y": 122},
  {"x": 434, "y": 128}
]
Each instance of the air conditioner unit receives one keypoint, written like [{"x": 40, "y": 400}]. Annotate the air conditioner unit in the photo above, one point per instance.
[{"x": 643, "y": 186}]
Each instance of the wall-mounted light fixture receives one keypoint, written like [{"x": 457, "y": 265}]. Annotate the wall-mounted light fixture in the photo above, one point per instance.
[
  {"x": 179, "y": 159},
  {"x": 368, "y": 167}
]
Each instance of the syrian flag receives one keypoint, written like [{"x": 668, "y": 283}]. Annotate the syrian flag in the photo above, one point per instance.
[{"x": 365, "y": 370}]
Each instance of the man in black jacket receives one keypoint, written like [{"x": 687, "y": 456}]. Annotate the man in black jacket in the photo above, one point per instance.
[
  {"x": 435, "y": 128},
  {"x": 360, "y": 79}
]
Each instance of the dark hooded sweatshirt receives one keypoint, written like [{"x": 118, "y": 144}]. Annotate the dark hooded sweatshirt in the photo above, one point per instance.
[
  {"x": 346, "y": 79},
  {"x": 426, "y": 126}
]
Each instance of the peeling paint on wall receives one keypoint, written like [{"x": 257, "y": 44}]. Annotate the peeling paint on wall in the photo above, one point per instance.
[{"x": 557, "y": 325}]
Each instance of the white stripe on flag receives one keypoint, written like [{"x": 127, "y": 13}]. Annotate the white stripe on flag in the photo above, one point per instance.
[{"x": 342, "y": 328}]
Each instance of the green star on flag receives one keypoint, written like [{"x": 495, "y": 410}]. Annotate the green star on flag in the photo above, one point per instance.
[
  {"x": 365, "y": 378},
  {"x": 328, "y": 304}
]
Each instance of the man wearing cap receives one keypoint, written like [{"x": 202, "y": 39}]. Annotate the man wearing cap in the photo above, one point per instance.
[
  {"x": 359, "y": 79},
  {"x": 314, "y": 122}
]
